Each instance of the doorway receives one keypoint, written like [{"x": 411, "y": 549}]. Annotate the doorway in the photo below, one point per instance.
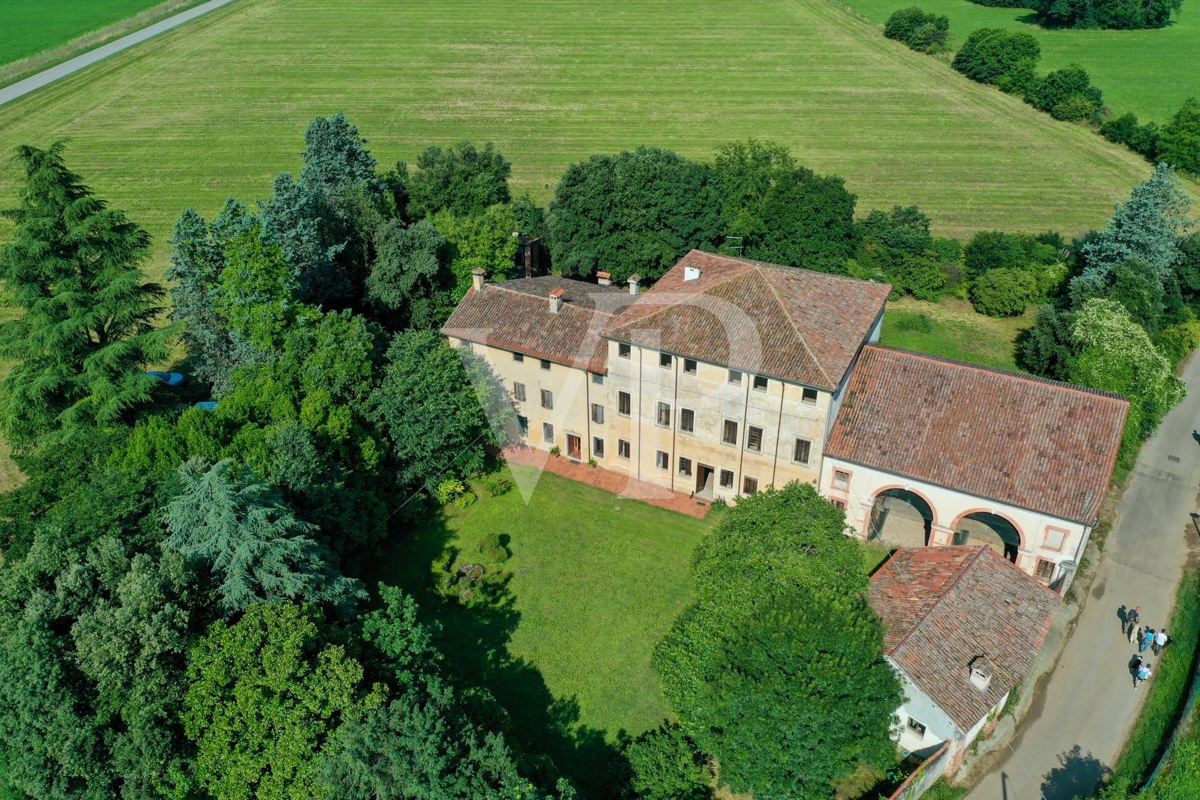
[
  {"x": 704, "y": 481},
  {"x": 574, "y": 447}
]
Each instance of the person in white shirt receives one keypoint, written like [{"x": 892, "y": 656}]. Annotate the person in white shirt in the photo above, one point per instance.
[{"x": 1160, "y": 641}]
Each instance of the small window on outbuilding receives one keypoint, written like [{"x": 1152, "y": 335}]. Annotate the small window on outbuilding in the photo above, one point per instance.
[
  {"x": 623, "y": 349},
  {"x": 689, "y": 366},
  {"x": 809, "y": 397},
  {"x": 735, "y": 377},
  {"x": 664, "y": 360},
  {"x": 545, "y": 364},
  {"x": 916, "y": 727},
  {"x": 761, "y": 383},
  {"x": 518, "y": 356}
]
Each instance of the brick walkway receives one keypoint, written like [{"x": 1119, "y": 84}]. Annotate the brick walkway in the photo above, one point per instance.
[{"x": 608, "y": 481}]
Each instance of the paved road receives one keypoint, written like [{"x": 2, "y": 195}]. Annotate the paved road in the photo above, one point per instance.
[
  {"x": 1073, "y": 731},
  {"x": 52, "y": 74}
]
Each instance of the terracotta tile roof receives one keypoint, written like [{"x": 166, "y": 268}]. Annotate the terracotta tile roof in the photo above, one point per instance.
[
  {"x": 783, "y": 322},
  {"x": 515, "y": 315},
  {"x": 945, "y": 606},
  {"x": 1035, "y": 444}
]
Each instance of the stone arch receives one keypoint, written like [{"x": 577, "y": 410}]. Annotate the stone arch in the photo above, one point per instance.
[
  {"x": 900, "y": 516},
  {"x": 1002, "y": 529}
]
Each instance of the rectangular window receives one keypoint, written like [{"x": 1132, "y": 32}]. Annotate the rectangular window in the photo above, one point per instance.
[
  {"x": 760, "y": 383},
  {"x": 689, "y": 366},
  {"x": 623, "y": 448},
  {"x": 664, "y": 360},
  {"x": 839, "y": 504},
  {"x": 547, "y": 399},
  {"x": 802, "y": 451},
  {"x": 597, "y": 413},
  {"x": 518, "y": 356},
  {"x": 519, "y": 391},
  {"x": 685, "y": 466},
  {"x": 598, "y": 379},
  {"x": 663, "y": 417},
  {"x": 547, "y": 432},
  {"x": 662, "y": 460},
  {"x": 809, "y": 397},
  {"x": 522, "y": 425},
  {"x": 754, "y": 439},
  {"x": 597, "y": 447},
  {"x": 726, "y": 479},
  {"x": 545, "y": 364},
  {"x": 735, "y": 377},
  {"x": 687, "y": 420},
  {"x": 623, "y": 404},
  {"x": 623, "y": 349},
  {"x": 729, "y": 433},
  {"x": 916, "y": 726},
  {"x": 749, "y": 485},
  {"x": 1044, "y": 571},
  {"x": 1055, "y": 539},
  {"x": 841, "y": 479}
]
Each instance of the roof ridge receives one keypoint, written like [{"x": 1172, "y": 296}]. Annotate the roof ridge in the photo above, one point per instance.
[
  {"x": 959, "y": 573},
  {"x": 785, "y": 267},
  {"x": 999, "y": 371},
  {"x": 670, "y": 306},
  {"x": 795, "y": 328},
  {"x": 567, "y": 304}
]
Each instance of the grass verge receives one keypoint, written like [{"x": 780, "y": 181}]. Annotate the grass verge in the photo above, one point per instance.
[{"x": 951, "y": 328}]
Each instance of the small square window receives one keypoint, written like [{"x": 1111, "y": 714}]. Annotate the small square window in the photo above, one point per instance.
[
  {"x": 1044, "y": 571},
  {"x": 685, "y": 466},
  {"x": 522, "y": 425},
  {"x": 597, "y": 413},
  {"x": 916, "y": 726},
  {"x": 729, "y": 434},
  {"x": 839, "y": 504},
  {"x": 809, "y": 397},
  {"x": 547, "y": 399},
  {"x": 663, "y": 418},
  {"x": 547, "y": 432},
  {"x": 623, "y": 403},
  {"x": 761, "y": 383},
  {"x": 841, "y": 479},
  {"x": 623, "y": 349},
  {"x": 664, "y": 360},
  {"x": 802, "y": 451},
  {"x": 687, "y": 420},
  {"x": 623, "y": 448},
  {"x": 518, "y": 356},
  {"x": 689, "y": 366},
  {"x": 1055, "y": 538},
  {"x": 735, "y": 377},
  {"x": 598, "y": 379},
  {"x": 519, "y": 391},
  {"x": 754, "y": 439},
  {"x": 726, "y": 479},
  {"x": 749, "y": 485},
  {"x": 545, "y": 364},
  {"x": 662, "y": 460},
  {"x": 597, "y": 447}
]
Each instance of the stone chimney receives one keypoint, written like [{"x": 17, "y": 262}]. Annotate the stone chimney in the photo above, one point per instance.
[
  {"x": 477, "y": 279},
  {"x": 556, "y": 301},
  {"x": 604, "y": 278},
  {"x": 979, "y": 673},
  {"x": 634, "y": 280}
]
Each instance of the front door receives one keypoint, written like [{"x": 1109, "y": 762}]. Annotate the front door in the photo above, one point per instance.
[
  {"x": 704, "y": 481},
  {"x": 574, "y": 446}
]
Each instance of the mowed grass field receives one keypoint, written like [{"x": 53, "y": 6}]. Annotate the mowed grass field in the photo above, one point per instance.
[
  {"x": 32, "y": 26},
  {"x": 1148, "y": 72},
  {"x": 218, "y": 107}
]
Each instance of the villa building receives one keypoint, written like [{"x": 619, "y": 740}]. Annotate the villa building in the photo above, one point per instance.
[{"x": 731, "y": 375}]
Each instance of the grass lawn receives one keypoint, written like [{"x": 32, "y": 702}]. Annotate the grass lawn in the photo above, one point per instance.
[
  {"x": 1147, "y": 72},
  {"x": 32, "y": 26},
  {"x": 596, "y": 582},
  {"x": 958, "y": 331},
  {"x": 219, "y": 106}
]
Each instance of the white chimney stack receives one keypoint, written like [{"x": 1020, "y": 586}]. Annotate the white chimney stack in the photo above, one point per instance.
[
  {"x": 634, "y": 280},
  {"x": 556, "y": 301},
  {"x": 979, "y": 673},
  {"x": 691, "y": 273},
  {"x": 604, "y": 278},
  {"x": 477, "y": 279}
]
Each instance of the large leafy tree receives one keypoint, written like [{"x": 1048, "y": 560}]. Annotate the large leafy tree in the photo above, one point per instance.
[
  {"x": 478, "y": 241},
  {"x": 1179, "y": 142},
  {"x": 250, "y": 541},
  {"x": 264, "y": 696},
  {"x": 636, "y": 212},
  {"x": 752, "y": 670},
  {"x": 407, "y": 286},
  {"x": 335, "y": 155},
  {"x": 461, "y": 179},
  {"x": 86, "y": 329}
]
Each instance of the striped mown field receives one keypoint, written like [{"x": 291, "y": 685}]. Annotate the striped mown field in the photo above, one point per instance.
[{"x": 218, "y": 107}]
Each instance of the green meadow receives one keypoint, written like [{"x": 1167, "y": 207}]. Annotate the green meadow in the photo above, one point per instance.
[{"x": 33, "y": 26}]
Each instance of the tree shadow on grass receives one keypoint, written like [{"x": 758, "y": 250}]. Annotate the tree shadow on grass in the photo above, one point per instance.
[
  {"x": 545, "y": 731},
  {"x": 1077, "y": 775}
]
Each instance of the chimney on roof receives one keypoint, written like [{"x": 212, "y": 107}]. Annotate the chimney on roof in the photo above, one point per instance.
[
  {"x": 556, "y": 300},
  {"x": 529, "y": 254},
  {"x": 604, "y": 278},
  {"x": 477, "y": 279},
  {"x": 634, "y": 280},
  {"x": 691, "y": 273},
  {"x": 979, "y": 673}
]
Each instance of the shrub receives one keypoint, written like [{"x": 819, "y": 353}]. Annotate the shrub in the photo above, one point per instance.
[
  {"x": 1065, "y": 94},
  {"x": 465, "y": 499},
  {"x": 925, "y": 33},
  {"x": 990, "y": 55},
  {"x": 449, "y": 490},
  {"x": 921, "y": 276},
  {"x": 1177, "y": 341},
  {"x": 493, "y": 548},
  {"x": 1003, "y": 292},
  {"x": 1120, "y": 14},
  {"x": 495, "y": 485},
  {"x": 990, "y": 250},
  {"x": 917, "y": 323},
  {"x": 556, "y": 451},
  {"x": 666, "y": 766},
  {"x": 1179, "y": 142}
]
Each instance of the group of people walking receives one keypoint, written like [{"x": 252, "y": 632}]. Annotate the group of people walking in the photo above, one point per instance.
[{"x": 1146, "y": 638}]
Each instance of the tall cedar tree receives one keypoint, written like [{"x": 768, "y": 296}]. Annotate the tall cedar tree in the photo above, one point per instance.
[{"x": 86, "y": 331}]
